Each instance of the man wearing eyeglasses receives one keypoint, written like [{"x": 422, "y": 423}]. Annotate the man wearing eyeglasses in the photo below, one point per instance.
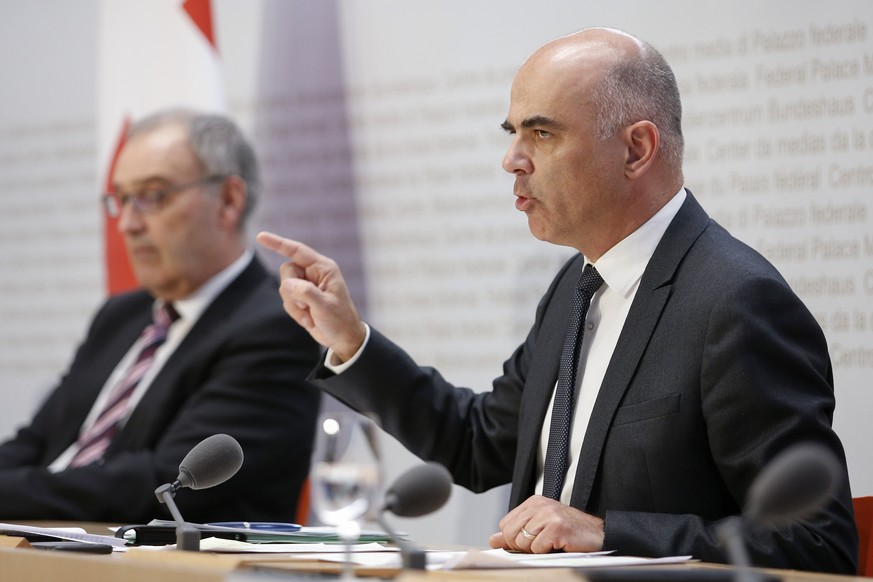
[{"x": 200, "y": 349}]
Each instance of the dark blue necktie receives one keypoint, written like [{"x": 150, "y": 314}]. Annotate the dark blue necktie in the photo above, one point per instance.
[{"x": 557, "y": 452}]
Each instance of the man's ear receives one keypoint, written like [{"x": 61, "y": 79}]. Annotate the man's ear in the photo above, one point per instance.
[
  {"x": 233, "y": 201},
  {"x": 643, "y": 141}
]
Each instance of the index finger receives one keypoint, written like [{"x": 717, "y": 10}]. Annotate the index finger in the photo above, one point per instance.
[{"x": 294, "y": 250}]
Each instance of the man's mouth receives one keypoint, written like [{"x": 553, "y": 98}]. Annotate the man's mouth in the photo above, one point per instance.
[{"x": 523, "y": 203}]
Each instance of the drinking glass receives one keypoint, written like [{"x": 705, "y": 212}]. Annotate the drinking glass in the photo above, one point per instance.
[{"x": 346, "y": 475}]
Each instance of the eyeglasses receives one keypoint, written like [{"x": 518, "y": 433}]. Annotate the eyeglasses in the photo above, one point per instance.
[{"x": 151, "y": 199}]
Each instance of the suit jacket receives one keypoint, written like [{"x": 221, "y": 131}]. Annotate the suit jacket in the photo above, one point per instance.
[
  {"x": 240, "y": 370},
  {"x": 719, "y": 367}
]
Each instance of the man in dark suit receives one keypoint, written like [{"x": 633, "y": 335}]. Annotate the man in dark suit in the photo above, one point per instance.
[
  {"x": 184, "y": 184},
  {"x": 697, "y": 365}
]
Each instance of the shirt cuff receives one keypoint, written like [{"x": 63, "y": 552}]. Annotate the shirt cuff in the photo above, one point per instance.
[{"x": 340, "y": 368}]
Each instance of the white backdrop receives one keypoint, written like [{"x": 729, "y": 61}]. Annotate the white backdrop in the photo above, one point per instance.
[{"x": 378, "y": 127}]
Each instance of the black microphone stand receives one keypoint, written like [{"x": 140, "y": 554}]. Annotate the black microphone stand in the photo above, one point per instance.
[
  {"x": 187, "y": 536},
  {"x": 730, "y": 534},
  {"x": 417, "y": 492},
  {"x": 414, "y": 558}
]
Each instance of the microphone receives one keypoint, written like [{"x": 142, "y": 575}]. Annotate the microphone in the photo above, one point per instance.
[
  {"x": 212, "y": 461},
  {"x": 795, "y": 483},
  {"x": 421, "y": 490}
]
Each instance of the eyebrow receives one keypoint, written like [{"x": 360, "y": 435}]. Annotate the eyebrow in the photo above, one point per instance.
[
  {"x": 142, "y": 183},
  {"x": 536, "y": 121}
]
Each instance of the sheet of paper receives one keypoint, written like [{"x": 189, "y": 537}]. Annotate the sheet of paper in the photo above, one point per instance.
[
  {"x": 64, "y": 533},
  {"x": 378, "y": 555},
  {"x": 504, "y": 559},
  {"x": 223, "y": 545},
  {"x": 435, "y": 558}
]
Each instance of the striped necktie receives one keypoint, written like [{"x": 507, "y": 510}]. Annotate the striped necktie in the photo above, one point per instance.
[{"x": 95, "y": 440}]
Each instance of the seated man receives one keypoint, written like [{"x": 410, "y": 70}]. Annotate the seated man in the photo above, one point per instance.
[{"x": 140, "y": 394}]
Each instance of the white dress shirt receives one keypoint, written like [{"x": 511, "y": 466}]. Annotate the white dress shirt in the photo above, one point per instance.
[{"x": 622, "y": 268}]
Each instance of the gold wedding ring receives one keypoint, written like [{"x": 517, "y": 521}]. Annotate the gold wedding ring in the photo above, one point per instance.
[{"x": 527, "y": 534}]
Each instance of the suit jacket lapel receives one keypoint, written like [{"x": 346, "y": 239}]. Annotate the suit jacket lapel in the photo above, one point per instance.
[
  {"x": 652, "y": 295},
  {"x": 116, "y": 331},
  {"x": 166, "y": 384}
]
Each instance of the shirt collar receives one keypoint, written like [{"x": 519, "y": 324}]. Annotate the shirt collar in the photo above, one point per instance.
[
  {"x": 190, "y": 308},
  {"x": 623, "y": 265}
]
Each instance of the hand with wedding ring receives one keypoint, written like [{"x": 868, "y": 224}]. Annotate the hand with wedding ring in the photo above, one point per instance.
[
  {"x": 527, "y": 534},
  {"x": 541, "y": 525}
]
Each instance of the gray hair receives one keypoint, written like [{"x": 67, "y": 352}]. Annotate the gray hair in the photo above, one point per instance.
[
  {"x": 643, "y": 88},
  {"x": 218, "y": 144}
]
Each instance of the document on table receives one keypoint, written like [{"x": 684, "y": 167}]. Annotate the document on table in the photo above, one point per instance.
[
  {"x": 378, "y": 555},
  {"x": 503, "y": 559},
  {"x": 224, "y": 545},
  {"x": 63, "y": 533}
]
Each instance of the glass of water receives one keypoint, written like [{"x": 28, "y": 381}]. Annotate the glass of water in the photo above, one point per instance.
[{"x": 346, "y": 475}]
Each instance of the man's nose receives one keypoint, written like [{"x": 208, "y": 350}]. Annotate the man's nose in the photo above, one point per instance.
[{"x": 516, "y": 160}]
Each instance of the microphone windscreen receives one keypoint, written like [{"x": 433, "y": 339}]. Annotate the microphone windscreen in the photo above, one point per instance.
[
  {"x": 212, "y": 461},
  {"x": 794, "y": 483},
  {"x": 421, "y": 490}
]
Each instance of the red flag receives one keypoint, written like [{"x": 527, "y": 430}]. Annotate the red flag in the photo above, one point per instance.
[
  {"x": 119, "y": 274},
  {"x": 153, "y": 55},
  {"x": 200, "y": 12}
]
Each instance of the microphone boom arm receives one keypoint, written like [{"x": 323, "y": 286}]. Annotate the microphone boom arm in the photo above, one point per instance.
[
  {"x": 187, "y": 536},
  {"x": 413, "y": 557},
  {"x": 419, "y": 491}
]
